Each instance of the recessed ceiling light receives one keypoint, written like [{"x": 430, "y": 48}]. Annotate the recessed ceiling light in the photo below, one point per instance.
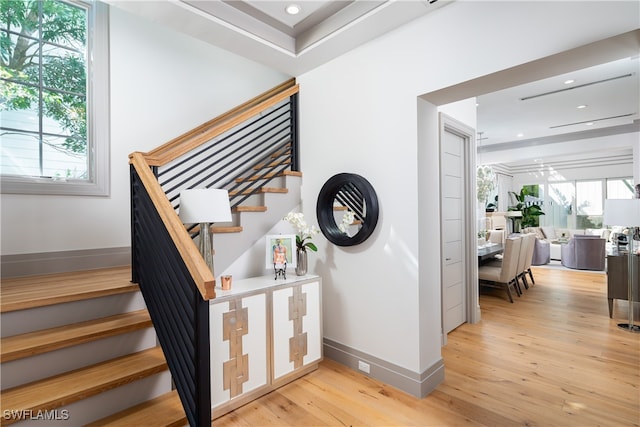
[
  {"x": 589, "y": 124},
  {"x": 520, "y": 135},
  {"x": 293, "y": 9},
  {"x": 568, "y": 82},
  {"x": 580, "y": 107}
]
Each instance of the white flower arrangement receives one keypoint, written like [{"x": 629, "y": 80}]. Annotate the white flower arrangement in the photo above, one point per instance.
[
  {"x": 304, "y": 232},
  {"x": 347, "y": 220},
  {"x": 485, "y": 182}
]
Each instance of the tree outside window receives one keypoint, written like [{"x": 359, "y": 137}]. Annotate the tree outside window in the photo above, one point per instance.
[{"x": 46, "y": 131}]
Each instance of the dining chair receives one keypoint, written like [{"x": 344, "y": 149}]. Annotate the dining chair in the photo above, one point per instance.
[
  {"x": 526, "y": 252},
  {"x": 531, "y": 244},
  {"x": 496, "y": 236},
  {"x": 504, "y": 275}
]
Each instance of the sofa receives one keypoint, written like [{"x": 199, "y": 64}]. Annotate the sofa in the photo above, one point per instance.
[
  {"x": 584, "y": 252},
  {"x": 558, "y": 237}
]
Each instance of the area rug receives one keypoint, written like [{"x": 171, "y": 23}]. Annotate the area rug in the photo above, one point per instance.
[{"x": 556, "y": 265}]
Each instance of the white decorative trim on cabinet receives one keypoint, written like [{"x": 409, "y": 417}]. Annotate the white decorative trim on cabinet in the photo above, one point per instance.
[{"x": 264, "y": 334}]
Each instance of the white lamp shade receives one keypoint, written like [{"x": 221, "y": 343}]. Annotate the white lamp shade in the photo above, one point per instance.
[
  {"x": 204, "y": 205},
  {"x": 622, "y": 212}
]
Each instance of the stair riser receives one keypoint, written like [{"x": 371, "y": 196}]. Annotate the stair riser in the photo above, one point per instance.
[
  {"x": 23, "y": 321},
  {"x": 22, "y": 371},
  {"x": 107, "y": 403}
]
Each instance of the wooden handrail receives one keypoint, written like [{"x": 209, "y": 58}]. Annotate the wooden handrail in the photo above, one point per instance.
[
  {"x": 188, "y": 141},
  {"x": 200, "y": 272}
]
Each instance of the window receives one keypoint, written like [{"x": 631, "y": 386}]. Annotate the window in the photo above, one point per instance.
[
  {"x": 620, "y": 188},
  {"x": 54, "y": 97},
  {"x": 587, "y": 197},
  {"x": 589, "y": 204},
  {"x": 559, "y": 211}
]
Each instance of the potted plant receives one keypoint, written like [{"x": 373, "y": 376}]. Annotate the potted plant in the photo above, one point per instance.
[
  {"x": 530, "y": 212},
  {"x": 303, "y": 236}
]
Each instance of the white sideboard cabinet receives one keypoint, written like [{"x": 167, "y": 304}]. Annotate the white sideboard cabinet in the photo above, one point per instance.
[{"x": 264, "y": 334}]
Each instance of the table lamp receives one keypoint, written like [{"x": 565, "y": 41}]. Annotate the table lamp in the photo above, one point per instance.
[
  {"x": 205, "y": 206},
  {"x": 626, "y": 212}
]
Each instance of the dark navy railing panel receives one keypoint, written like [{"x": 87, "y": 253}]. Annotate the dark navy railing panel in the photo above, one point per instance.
[
  {"x": 242, "y": 160},
  {"x": 179, "y": 313}
]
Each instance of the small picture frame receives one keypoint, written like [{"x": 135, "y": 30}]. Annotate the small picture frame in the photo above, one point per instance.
[{"x": 279, "y": 248}]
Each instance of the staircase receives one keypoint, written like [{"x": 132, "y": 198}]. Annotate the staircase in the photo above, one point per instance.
[
  {"x": 79, "y": 348},
  {"x": 76, "y": 347}
]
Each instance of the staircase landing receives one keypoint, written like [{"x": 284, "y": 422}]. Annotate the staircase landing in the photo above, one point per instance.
[{"x": 39, "y": 291}]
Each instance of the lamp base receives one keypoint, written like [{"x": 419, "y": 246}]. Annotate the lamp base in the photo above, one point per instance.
[{"x": 630, "y": 328}]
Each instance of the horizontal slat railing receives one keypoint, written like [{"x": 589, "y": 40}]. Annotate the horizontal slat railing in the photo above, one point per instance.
[
  {"x": 202, "y": 276},
  {"x": 179, "y": 313},
  {"x": 240, "y": 151},
  {"x": 207, "y": 131}
]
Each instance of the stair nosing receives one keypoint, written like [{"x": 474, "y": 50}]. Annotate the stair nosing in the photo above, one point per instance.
[
  {"x": 27, "y": 292},
  {"x": 132, "y": 414},
  {"x": 38, "y": 342},
  {"x": 66, "y": 388}
]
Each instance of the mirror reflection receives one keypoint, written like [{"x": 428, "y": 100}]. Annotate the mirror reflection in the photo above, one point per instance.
[
  {"x": 347, "y": 209},
  {"x": 350, "y": 209}
]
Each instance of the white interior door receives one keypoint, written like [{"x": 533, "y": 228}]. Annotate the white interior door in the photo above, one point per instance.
[{"x": 452, "y": 179}]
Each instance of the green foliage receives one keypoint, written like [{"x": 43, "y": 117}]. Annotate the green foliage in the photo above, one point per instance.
[
  {"x": 63, "y": 70},
  {"x": 530, "y": 213},
  {"x": 302, "y": 244}
]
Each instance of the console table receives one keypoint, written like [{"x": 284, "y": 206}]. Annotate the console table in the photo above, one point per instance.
[
  {"x": 264, "y": 334},
  {"x": 618, "y": 278}
]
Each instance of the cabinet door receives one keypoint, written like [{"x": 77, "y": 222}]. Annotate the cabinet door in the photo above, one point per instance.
[
  {"x": 296, "y": 328},
  {"x": 239, "y": 349}
]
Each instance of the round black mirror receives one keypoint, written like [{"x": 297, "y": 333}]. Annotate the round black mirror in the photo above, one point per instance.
[{"x": 347, "y": 209}]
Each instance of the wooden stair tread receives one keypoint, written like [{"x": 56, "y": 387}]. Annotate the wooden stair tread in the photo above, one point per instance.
[
  {"x": 37, "y": 291},
  {"x": 165, "y": 410},
  {"x": 261, "y": 190},
  {"x": 250, "y": 209},
  {"x": 38, "y": 342},
  {"x": 283, "y": 152},
  {"x": 268, "y": 176},
  {"x": 274, "y": 163},
  {"x": 227, "y": 229},
  {"x": 63, "y": 389}
]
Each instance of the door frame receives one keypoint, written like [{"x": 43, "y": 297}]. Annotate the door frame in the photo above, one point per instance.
[{"x": 447, "y": 123}]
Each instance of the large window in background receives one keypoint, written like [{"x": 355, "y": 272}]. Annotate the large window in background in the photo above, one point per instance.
[
  {"x": 620, "y": 188},
  {"x": 589, "y": 204},
  {"x": 54, "y": 97},
  {"x": 559, "y": 209},
  {"x": 580, "y": 204}
]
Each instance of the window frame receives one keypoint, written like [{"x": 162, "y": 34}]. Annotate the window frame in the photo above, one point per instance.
[
  {"x": 98, "y": 120},
  {"x": 572, "y": 218}
]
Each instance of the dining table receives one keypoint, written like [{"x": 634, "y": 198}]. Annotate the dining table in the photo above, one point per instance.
[{"x": 489, "y": 251}]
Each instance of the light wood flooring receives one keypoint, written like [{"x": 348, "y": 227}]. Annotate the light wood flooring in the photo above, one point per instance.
[{"x": 553, "y": 358}]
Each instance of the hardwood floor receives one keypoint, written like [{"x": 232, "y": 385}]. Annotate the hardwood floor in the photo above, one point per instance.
[{"x": 553, "y": 358}]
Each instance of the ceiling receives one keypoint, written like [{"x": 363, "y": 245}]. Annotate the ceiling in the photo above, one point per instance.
[
  {"x": 293, "y": 44},
  {"x": 263, "y": 31},
  {"x": 597, "y": 101}
]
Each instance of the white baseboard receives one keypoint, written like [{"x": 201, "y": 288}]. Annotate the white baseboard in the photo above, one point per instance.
[{"x": 414, "y": 383}]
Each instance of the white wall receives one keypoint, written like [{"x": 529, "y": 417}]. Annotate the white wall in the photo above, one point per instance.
[
  {"x": 359, "y": 114},
  {"x": 162, "y": 84}
]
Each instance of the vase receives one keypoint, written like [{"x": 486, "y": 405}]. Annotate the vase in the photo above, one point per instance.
[{"x": 301, "y": 263}]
